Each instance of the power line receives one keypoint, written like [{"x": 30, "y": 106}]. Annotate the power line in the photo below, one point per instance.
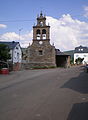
[
  {"x": 34, "y": 19},
  {"x": 17, "y": 20}
]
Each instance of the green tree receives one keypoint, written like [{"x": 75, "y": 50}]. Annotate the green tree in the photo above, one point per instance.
[
  {"x": 4, "y": 52},
  {"x": 72, "y": 61},
  {"x": 79, "y": 60}
]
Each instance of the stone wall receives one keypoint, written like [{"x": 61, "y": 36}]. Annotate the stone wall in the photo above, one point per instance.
[
  {"x": 68, "y": 61},
  {"x": 46, "y": 58},
  {"x": 16, "y": 66}
]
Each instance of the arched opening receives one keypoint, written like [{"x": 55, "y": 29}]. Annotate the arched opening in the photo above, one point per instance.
[
  {"x": 43, "y": 34},
  {"x": 38, "y": 34}
]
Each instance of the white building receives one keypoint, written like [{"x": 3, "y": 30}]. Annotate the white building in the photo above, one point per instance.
[
  {"x": 81, "y": 52},
  {"x": 15, "y": 51}
]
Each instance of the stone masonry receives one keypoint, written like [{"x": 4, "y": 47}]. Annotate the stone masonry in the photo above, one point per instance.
[{"x": 41, "y": 52}]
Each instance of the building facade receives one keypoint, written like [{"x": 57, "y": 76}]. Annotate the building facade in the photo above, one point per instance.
[
  {"x": 81, "y": 52},
  {"x": 41, "y": 52},
  {"x": 16, "y": 54},
  {"x": 62, "y": 59}
]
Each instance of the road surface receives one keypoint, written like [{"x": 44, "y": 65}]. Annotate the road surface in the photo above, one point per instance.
[{"x": 47, "y": 94}]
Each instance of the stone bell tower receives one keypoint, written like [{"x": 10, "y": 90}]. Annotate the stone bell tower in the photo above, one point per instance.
[
  {"x": 41, "y": 52},
  {"x": 41, "y": 31}
]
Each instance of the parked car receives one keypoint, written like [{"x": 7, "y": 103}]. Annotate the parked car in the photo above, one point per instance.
[{"x": 4, "y": 68}]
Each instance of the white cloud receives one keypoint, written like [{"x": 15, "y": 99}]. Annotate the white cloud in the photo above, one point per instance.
[
  {"x": 66, "y": 33},
  {"x": 12, "y": 36},
  {"x": 86, "y": 11},
  {"x": 3, "y": 26}
]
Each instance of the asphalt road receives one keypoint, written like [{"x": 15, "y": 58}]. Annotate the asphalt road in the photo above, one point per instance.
[{"x": 48, "y": 94}]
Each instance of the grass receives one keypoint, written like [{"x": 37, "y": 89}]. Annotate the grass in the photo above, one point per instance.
[{"x": 43, "y": 67}]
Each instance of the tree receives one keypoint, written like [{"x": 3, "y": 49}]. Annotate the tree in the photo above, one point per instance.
[
  {"x": 72, "y": 61},
  {"x": 4, "y": 52},
  {"x": 79, "y": 60}
]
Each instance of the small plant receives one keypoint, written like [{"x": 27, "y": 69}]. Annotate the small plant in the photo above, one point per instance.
[{"x": 72, "y": 61}]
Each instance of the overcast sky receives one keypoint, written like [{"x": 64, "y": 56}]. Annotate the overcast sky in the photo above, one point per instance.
[{"x": 68, "y": 20}]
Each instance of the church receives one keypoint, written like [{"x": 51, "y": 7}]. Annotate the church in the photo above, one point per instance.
[{"x": 41, "y": 53}]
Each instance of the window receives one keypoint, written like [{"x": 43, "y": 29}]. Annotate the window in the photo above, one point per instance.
[
  {"x": 79, "y": 49},
  {"x": 16, "y": 47},
  {"x": 38, "y": 34},
  {"x": 43, "y": 31},
  {"x": 38, "y": 31},
  {"x": 43, "y": 34},
  {"x": 40, "y": 52},
  {"x": 17, "y": 56}
]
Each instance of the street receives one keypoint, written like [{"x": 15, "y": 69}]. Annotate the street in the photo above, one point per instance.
[{"x": 44, "y": 94}]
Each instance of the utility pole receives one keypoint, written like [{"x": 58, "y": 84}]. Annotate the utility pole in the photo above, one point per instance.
[{"x": 19, "y": 33}]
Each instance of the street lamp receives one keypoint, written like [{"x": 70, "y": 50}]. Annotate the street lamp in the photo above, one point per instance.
[{"x": 19, "y": 33}]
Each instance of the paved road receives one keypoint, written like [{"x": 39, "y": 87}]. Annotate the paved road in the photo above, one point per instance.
[{"x": 51, "y": 94}]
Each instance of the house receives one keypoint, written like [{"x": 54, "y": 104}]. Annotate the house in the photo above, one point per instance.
[
  {"x": 81, "y": 52},
  {"x": 16, "y": 54},
  {"x": 62, "y": 59}
]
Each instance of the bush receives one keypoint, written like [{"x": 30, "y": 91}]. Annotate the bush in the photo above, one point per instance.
[
  {"x": 4, "y": 52},
  {"x": 79, "y": 60}
]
